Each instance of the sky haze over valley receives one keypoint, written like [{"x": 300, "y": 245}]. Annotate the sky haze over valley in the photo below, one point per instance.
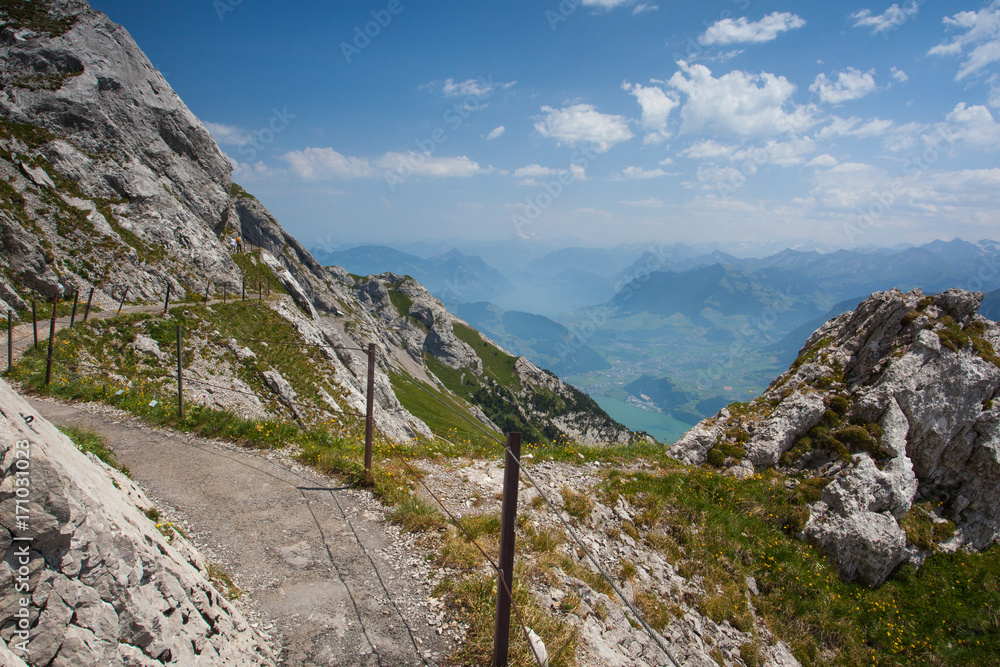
[{"x": 597, "y": 122}]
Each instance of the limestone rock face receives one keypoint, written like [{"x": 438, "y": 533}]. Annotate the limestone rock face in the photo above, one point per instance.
[
  {"x": 104, "y": 586},
  {"x": 895, "y": 404},
  {"x": 110, "y": 124}
]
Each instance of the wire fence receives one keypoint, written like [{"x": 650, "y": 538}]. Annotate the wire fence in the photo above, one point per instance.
[{"x": 196, "y": 378}]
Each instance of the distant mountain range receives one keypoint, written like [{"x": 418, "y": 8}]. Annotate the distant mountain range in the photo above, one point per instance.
[
  {"x": 673, "y": 328},
  {"x": 991, "y": 306},
  {"x": 452, "y": 277},
  {"x": 546, "y": 342}
]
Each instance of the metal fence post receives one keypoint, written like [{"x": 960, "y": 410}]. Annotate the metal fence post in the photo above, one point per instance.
[
  {"x": 123, "y": 301},
  {"x": 76, "y": 301},
  {"x": 370, "y": 407},
  {"x": 52, "y": 338},
  {"x": 508, "y": 523},
  {"x": 180, "y": 374},
  {"x": 166, "y": 302},
  {"x": 34, "y": 322},
  {"x": 10, "y": 340},
  {"x": 86, "y": 313}
]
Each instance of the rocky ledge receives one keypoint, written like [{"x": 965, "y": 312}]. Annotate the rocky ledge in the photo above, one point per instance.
[
  {"x": 98, "y": 583},
  {"x": 890, "y": 416}
]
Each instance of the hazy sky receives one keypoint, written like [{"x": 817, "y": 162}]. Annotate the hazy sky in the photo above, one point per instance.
[{"x": 848, "y": 123}]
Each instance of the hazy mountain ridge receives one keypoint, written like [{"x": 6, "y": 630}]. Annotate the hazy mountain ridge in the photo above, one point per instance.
[{"x": 451, "y": 277}]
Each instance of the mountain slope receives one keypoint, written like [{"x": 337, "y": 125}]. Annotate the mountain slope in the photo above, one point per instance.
[
  {"x": 545, "y": 341},
  {"x": 108, "y": 181}
]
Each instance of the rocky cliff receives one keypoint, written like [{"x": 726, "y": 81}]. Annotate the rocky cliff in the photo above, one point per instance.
[
  {"x": 889, "y": 415},
  {"x": 106, "y": 587},
  {"x": 108, "y": 181}
]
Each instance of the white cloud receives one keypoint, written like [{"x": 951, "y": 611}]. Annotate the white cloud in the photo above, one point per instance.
[
  {"x": 743, "y": 31},
  {"x": 638, "y": 174},
  {"x": 316, "y": 163},
  {"x": 824, "y": 161},
  {"x": 709, "y": 150},
  {"x": 849, "y": 185},
  {"x": 496, "y": 133},
  {"x": 649, "y": 202},
  {"x": 480, "y": 87},
  {"x": 421, "y": 164},
  {"x": 613, "y": 4},
  {"x": 974, "y": 125},
  {"x": 899, "y": 75},
  {"x": 711, "y": 177},
  {"x": 981, "y": 37},
  {"x": 739, "y": 103},
  {"x": 256, "y": 172},
  {"x": 657, "y": 104},
  {"x": 533, "y": 172},
  {"x": 854, "y": 127},
  {"x": 321, "y": 163},
  {"x": 890, "y": 19},
  {"x": 782, "y": 153},
  {"x": 583, "y": 124},
  {"x": 851, "y": 84},
  {"x": 228, "y": 135}
]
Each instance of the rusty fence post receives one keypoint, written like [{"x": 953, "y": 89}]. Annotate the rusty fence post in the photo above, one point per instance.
[
  {"x": 180, "y": 374},
  {"x": 90, "y": 299},
  {"x": 34, "y": 322},
  {"x": 508, "y": 524},
  {"x": 52, "y": 338},
  {"x": 166, "y": 302},
  {"x": 76, "y": 302},
  {"x": 120, "y": 305},
  {"x": 370, "y": 407}
]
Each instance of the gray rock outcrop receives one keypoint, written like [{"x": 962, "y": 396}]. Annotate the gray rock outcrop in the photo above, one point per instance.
[
  {"x": 895, "y": 406},
  {"x": 97, "y": 582}
]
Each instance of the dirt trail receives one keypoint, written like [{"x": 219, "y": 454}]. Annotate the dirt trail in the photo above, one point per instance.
[{"x": 332, "y": 582}]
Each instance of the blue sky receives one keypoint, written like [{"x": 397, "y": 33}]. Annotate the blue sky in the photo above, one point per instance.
[{"x": 597, "y": 122}]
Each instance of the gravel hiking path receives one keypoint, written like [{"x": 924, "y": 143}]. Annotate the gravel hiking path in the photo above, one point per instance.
[{"x": 328, "y": 579}]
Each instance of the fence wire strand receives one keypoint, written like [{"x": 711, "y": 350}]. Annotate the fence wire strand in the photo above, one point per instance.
[{"x": 198, "y": 379}]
